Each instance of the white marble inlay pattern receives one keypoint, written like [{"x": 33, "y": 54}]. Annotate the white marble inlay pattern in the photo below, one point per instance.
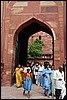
[
  {"x": 47, "y": 3},
  {"x": 20, "y": 4}
]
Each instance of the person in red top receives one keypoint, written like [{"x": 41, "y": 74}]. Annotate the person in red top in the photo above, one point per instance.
[{"x": 27, "y": 82}]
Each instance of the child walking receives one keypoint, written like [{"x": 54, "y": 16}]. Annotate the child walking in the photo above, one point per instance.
[{"x": 27, "y": 82}]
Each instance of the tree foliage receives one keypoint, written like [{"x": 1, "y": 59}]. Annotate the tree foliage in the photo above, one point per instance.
[{"x": 35, "y": 48}]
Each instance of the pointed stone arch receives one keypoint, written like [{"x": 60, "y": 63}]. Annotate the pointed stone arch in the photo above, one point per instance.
[
  {"x": 26, "y": 23},
  {"x": 32, "y": 19}
]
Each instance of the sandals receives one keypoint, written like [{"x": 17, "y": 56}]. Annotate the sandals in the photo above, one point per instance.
[{"x": 28, "y": 96}]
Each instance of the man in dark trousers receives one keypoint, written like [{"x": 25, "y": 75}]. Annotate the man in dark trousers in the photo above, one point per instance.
[{"x": 59, "y": 80}]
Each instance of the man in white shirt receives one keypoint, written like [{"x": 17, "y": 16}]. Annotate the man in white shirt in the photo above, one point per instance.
[
  {"x": 41, "y": 68},
  {"x": 59, "y": 81},
  {"x": 35, "y": 72}
]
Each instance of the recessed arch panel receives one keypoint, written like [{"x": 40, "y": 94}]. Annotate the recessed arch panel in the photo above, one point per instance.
[{"x": 24, "y": 31}]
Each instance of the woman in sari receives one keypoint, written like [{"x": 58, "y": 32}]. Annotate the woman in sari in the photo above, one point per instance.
[{"x": 19, "y": 74}]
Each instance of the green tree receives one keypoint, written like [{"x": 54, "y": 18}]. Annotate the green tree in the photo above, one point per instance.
[{"x": 35, "y": 48}]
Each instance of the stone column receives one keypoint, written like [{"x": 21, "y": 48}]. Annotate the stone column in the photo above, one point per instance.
[
  {"x": 64, "y": 18},
  {"x": 3, "y": 15}
]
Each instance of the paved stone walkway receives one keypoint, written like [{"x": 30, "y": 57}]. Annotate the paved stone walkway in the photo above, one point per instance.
[{"x": 12, "y": 92}]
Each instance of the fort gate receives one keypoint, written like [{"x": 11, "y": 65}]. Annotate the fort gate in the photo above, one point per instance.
[{"x": 21, "y": 19}]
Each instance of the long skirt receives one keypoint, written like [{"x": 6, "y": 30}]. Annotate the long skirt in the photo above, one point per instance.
[
  {"x": 27, "y": 84},
  {"x": 18, "y": 80}
]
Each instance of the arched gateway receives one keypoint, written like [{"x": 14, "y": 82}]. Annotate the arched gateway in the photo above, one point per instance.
[
  {"x": 21, "y": 36},
  {"x": 20, "y": 20},
  {"x": 24, "y": 31}
]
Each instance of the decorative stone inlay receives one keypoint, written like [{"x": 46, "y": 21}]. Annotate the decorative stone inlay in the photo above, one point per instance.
[
  {"x": 61, "y": 2},
  {"x": 47, "y": 3},
  {"x": 16, "y": 10},
  {"x": 9, "y": 35},
  {"x": 7, "y": 72},
  {"x": 53, "y": 34},
  {"x": 7, "y": 2},
  {"x": 20, "y": 4},
  {"x": 10, "y": 51}
]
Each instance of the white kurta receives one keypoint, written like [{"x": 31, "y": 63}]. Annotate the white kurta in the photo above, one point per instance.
[{"x": 58, "y": 83}]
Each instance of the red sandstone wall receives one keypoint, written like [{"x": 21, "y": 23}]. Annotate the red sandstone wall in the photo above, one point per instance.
[
  {"x": 14, "y": 15},
  {"x": 46, "y": 38}
]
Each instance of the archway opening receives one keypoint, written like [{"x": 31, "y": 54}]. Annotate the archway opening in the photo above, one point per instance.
[
  {"x": 22, "y": 41},
  {"x": 22, "y": 36}
]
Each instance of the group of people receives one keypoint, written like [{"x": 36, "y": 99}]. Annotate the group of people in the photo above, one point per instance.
[
  {"x": 23, "y": 78},
  {"x": 51, "y": 80}
]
